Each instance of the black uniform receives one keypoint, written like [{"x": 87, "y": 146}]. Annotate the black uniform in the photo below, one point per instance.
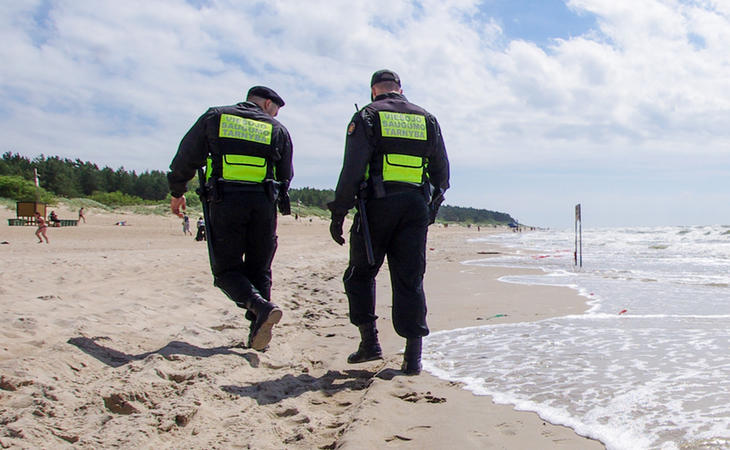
[
  {"x": 241, "y": 222},
  {"x": 397, "y": 211}
]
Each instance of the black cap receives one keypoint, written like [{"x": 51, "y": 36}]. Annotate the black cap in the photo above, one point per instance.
[
  {"x": 384, "y": 75},
  {"x": 264, "y": 92}
]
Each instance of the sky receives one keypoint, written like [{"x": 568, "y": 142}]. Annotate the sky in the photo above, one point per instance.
[{"x": 620, "y": 105}]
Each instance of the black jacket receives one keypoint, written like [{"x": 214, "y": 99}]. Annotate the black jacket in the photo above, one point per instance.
[
  {"x": 203, "y": 140},
  {"x": 364, "y": 146}
]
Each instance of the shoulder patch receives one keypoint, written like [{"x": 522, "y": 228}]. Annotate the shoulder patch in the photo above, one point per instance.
[{"x": 351, "y": 128}]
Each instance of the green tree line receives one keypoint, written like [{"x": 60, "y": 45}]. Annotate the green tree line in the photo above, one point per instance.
[
  {"x": 320, "y": 198},
  {"x": 311, "y": 197},
  {"x": 76, "y": 178},
  {"x": 473, "y": 215}
]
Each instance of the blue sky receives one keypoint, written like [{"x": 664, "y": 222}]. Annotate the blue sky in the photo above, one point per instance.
[
  {"x": 620, "y": 105},
  {"x": 538, "y": 21}
]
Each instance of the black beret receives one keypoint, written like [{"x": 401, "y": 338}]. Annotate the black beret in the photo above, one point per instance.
[
  {"x": 384, "y": 75},
  {"x": 264, "y": 92}
]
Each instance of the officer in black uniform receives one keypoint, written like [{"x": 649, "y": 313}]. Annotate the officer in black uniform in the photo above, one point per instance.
[
  {"x": 396, "y": 158},
  {"x": 248, "y": 159}
]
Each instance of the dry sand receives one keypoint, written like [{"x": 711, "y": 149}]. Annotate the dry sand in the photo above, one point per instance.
[{"x": 115, "y": 337}]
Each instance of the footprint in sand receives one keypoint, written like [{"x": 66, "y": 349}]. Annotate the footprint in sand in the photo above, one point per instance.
[
  {"x": 397, "y": 437},
  {"x": 287, "y": 412},
  {"x": 292, "y": 439},
  {"x": 415, "y": 397},
  {"x": 25, "y": 323},
  {"x": 224, "y": 327},
  {"x": 301, "y": 420},
  {"x": 8, "y": 384},
  {"x": 117, "y": 404},
  {"x": 506, "y": 429}
]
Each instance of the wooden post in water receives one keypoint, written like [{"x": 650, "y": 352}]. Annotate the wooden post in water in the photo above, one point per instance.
[{"x": 578, "y": 249}]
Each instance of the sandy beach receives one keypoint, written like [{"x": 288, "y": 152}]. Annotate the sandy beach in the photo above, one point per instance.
[{"x": 114, "y": 337}]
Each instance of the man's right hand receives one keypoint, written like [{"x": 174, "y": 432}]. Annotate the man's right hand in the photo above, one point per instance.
[
  {"x": 177, "y": 204},
  {"x": 336, "y": 229}
]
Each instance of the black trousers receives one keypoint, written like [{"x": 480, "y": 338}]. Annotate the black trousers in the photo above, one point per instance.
[
  {"x": 241, "y": 244},
  {"x": 398, "y": 227}
]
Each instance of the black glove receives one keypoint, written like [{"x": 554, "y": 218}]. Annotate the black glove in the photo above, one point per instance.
[
  {"x": 284, "y": 203},
  {"x": 336, "y": 228},
  {"x": 432, "y": 213}
]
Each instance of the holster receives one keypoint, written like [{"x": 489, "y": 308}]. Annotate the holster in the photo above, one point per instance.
[
  {"x": 377, "y": 186},
  {"x": 437, "y": 197},
  {"x": 208, "y": 191},
  {"x": 428, "y": 191},
  {"x": 271, "y": 188},
  {"x": 215, "y": 193}
]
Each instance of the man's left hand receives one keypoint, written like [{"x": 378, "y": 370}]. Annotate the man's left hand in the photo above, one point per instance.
[
  {"x": 284, "y": 203},
  {"x": 177, "y": 204}
]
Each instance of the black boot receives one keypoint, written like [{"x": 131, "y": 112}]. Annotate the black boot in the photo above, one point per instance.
[
  {"x": 369, "y": 349},
  {"x": 412, "y": 357},
  {"x": 267, "y": 315}
]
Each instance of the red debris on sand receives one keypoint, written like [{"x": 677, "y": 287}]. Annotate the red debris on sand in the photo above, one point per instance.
[{"x": 622, "y": 311}]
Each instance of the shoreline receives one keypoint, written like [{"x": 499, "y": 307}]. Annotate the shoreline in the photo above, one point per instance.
[
  {"x": 118, "y": 338},
  {"x": 461, "y": 296}
]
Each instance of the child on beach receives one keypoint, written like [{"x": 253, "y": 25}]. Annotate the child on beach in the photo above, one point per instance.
[
  {"x": 186, "y": 225},
  {"x": 42, "y": 227}
]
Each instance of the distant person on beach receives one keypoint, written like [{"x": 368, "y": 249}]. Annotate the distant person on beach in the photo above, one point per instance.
[
  {"x": 248, "y": 156},
  {"x": 186, "y": 225},
  {"x": 396, "y": 158},
  {"x": 54, "y": 219},
  {"x": 42, "y": 227},
  {"x": 81, "y": 215},
  {"x": 200, "y": 235}
]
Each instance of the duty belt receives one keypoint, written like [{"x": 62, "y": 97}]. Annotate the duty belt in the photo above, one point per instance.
[
  {"x": 232, "y": 186},
  {"x": 394, "y": 188}
]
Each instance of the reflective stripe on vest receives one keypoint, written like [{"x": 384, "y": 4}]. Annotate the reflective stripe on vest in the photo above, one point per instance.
[
  {"x": 404, "y": 168},
  {"x": 235, "y": 127},
  {"x": 241, "y": 168},
  {"x": 403, "y": 126}
]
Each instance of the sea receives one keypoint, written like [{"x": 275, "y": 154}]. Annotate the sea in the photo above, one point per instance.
[{"x": 647, "y": 366}]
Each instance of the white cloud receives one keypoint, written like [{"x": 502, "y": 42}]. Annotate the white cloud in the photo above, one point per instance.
[{"x": 119, "y": 83}]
